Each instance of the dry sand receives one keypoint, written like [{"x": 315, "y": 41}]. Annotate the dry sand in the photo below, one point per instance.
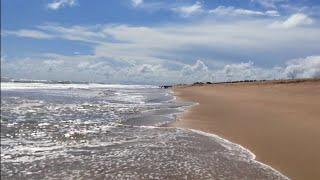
[{"x": 280, "y": 123}]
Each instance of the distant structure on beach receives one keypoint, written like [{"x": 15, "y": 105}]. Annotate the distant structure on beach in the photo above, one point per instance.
[
  {"x": 166, "y": 86},
  {"x": 280, "y": 81}
]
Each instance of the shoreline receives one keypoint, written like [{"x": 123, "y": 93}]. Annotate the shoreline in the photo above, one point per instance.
[
  {"x": 179, "y": 116},
  {"x": 253, "y": 156},
  {"x": 222, "y": 122}
]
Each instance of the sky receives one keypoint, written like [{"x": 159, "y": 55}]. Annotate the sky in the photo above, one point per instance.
[{"x": 160, "y": 41}]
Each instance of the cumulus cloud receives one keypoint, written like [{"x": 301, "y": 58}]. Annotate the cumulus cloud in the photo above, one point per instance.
[
  {"x": 90, "y": 68},
  {"x": 294, "y": 20},
  {"x": 245, "y": 71},
  {"x": 189, "y": 10},
  {"x": 162, "y": 54},
  {"x": 308, "y": 67},
  {"x": 239, "y": 71},
  {"x": 199, "y": 66},
  {"x": 303, "y": 68},
  {"x": 232, "y": 11},
  {"x": 182, "y": 43},
  {"x": 147, "y": 68},
  {"x": 57, "y": 4},
  {"x": 196, "y": 72}
]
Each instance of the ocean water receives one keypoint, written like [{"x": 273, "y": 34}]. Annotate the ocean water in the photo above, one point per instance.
[{"x": 97, "y": 131}]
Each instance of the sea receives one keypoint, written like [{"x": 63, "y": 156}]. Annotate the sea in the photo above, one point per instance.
[{"x": 103, "y": 131}]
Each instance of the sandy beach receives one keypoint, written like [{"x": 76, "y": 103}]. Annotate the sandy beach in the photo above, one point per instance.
[{"x": 278, "y": 122}]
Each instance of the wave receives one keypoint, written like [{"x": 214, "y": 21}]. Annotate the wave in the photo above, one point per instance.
[
  {"x": 17, "y": 86},
  {"x": 111, "y": 133},
  {"x": 238, "y": 148}
]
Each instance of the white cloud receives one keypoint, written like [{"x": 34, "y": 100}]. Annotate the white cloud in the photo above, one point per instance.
[
  {"x": 89, "y": 34},
  {"x": 147, "y": 68},
  {"x": 196, "y": 72},
  {"x": 269, "y": 3},
  {"x": 246, "y": 34},
  {"x": 3, "y": 58},
  {"x": 57, "y": 4},
  {"x": 199, "y": 66},
  {"x": 244, "y": 71},
  {"x": 162, "y": 54},
  {"x": 303, "y": 68},
  {"x": 29, "y": 34},
  {"x": 308, "y": 67},
  {"x": 294, "y": 20},
  {"x": 90, "y": 68},
  {"x": 136, "y": 2},
  {"x": 185, "y": 42},
  {"x": 272, "y": 13},
  {"x": 239, "y": 71},
  {"x": 189, "y": 10},
  {"x": 232, "y": 11}
]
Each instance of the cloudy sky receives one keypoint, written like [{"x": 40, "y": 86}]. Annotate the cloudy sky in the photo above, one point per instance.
[{"x": 160, "y": 41}]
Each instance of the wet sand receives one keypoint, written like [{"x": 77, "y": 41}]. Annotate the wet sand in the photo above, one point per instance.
[{"x": 278, "y": 122}]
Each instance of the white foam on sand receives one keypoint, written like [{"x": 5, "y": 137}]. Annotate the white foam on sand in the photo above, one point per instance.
[
  {"x": 243, "y": 153},
  {"x": 238, "y": 148}
]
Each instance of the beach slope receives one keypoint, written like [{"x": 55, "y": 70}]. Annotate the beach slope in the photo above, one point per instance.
[{"x": 277, "y": 121}]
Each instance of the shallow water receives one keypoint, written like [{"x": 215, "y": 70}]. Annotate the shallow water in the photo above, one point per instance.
[{"x": 94, "y": 131}]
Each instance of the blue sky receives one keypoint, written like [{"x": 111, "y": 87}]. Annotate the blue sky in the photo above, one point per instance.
[{"x": 159, "y": 41}]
